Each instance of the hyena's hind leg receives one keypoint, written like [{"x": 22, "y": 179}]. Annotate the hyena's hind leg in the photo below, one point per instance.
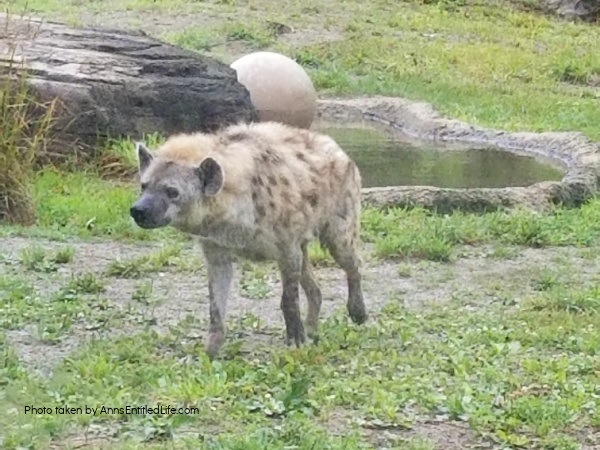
[
  {"x": 341, "y": 239},
  {"x": 290, "y": 266},
  {"x": 313, "y": 295}
]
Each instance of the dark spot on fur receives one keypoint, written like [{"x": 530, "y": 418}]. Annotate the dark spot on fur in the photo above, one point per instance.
[
  {"x": 285, "y": 220},
  {"x": 268, "y": 156},
  {"x": 254, "y": 197},
  {"x": 342, "y": 211},
  {"x": 269, "y": 191},
  {"x": 312, "y": 198},
  {"x": 257, "y": 181},
  {"x": 260, "y": 210},
  {"x": 283, "y": 180},
  {"x": 300, "y": 156},
  {"x": 272, "y": 205},
  {"x": 285, "y": 197},
  {"x": 237, "y": 136},
  {"x": 272, "y": 180}
]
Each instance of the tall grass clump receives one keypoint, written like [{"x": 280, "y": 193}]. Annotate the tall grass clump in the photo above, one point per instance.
[
  {"x": 118, "y": 158},
  {"x": 25, "y": 124}
]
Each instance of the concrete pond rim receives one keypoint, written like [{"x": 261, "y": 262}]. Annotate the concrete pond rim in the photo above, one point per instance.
[{"x": 419, "y": 123}]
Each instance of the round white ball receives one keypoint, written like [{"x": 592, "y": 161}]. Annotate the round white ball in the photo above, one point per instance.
[{"x": 280, "y": 89}]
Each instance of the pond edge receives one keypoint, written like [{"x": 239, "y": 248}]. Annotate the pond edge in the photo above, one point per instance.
[{"x": 573, "y": 151}]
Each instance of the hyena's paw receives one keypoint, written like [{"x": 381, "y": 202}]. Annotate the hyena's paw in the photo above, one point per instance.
[
  {"x": 312, "y": 332},
  {"x": 356, "y": 307},
  {"x": 295, "y": 334},
  {"x": 357, "y": 311},
  {"x": 214, "y": 343}
]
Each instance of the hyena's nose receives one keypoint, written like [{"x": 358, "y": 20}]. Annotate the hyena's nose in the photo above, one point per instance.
[{"x": 137, "y": 213}]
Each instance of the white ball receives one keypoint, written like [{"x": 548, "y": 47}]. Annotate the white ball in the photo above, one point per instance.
[{"x": 280, "y": 89}]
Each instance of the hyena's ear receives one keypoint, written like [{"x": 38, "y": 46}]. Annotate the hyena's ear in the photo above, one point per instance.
[
  {"x": 144, "y": 156},
  {"x": 211, "y": 176}
]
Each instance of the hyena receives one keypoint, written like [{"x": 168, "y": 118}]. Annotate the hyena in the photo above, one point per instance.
[{"x": 258, "y": 191}]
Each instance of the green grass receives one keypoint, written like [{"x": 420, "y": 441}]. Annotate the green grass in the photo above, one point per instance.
[
  {"x": 525, "y": 379},
  {"x": 86, "y": 206},
  {"x": 487, "y": 62},
  {"x": 166, "y": 257}
]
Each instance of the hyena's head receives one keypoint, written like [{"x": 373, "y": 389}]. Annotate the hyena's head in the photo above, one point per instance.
[{"x": 170, "y": 188}]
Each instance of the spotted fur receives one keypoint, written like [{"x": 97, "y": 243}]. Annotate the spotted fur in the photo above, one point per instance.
[{"x": 261, "y": 191}]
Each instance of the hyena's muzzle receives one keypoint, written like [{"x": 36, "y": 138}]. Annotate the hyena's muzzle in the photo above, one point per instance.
[{"x": 150, "y": 211}]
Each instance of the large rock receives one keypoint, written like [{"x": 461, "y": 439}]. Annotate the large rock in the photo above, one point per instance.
[
  {"x": 114, "y": 83},
  {"x": 280, "y": 88}
]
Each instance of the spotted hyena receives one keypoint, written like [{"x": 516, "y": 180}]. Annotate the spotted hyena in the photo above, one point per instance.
[{"x": 261, "y": 191}]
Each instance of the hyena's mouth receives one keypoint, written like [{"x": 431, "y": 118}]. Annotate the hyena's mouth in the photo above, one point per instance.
[
  {"x": 147, "y": 225},
  {"x": 145, "y": 220}
]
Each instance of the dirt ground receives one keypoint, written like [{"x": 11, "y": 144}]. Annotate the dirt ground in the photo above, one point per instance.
[{"x": 475, "y": 277}]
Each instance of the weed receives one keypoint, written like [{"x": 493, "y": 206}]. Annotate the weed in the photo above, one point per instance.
[
  {"x": 88, "y": 283},
  {"x": 142, "y": 293},
  {"x": 256, "y": 35},
  {"x": 319, "y": 256},
  {"x": 33, "y": 257},
  {"x": 134, "y": 268},
  {"x": 546, "y": 281},
  {"x": 119, "y": 160},
  {"x": 25, "y": 126},
  {"x": 64, "y": 255},
  {"x": 255, "y": 280}
]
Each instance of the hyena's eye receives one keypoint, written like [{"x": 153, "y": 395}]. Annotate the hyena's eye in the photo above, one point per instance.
[{"x": 172, "y": 192}]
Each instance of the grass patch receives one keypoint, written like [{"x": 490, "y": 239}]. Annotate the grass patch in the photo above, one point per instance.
[
  {"x": 254, "y": 282},
  {"x": 524, "y": 379},
  {"x": 118, "y": 158},
  {"x": 88, "y": 283},
  {"x": 82, "y": 204},
  {"x": 36, "y": 258},
  {"x": 319, "y": 256},
  {"x": 25, "y": 124},
  {"x": 416, "y": 233},
  {"x": 161, "y": 260}
]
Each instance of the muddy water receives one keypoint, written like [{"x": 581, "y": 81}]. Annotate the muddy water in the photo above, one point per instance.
[{"x": 385, "y": 161}]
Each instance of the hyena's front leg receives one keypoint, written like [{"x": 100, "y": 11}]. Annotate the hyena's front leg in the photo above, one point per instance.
[
  {"x": 290, "y": 266},
  {"x": 220, "y": 273}
]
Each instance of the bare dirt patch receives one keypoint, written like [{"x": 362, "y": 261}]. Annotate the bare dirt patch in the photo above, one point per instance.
[{"x": 177, "y": 295}]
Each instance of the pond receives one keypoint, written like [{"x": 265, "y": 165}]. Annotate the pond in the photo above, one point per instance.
[{"x": 386, "y": 161}]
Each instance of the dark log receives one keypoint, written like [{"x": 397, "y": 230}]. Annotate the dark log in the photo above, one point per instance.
[{"x": 115, "y": 83}]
